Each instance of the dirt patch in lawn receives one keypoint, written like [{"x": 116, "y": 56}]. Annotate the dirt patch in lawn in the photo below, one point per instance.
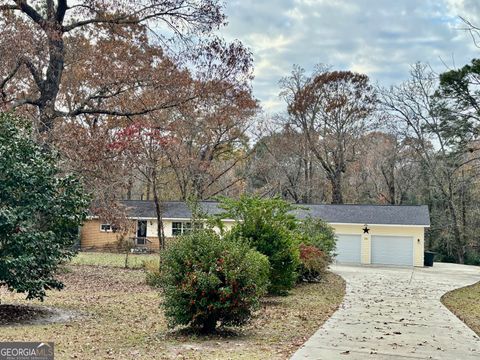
[
  {"x": 121, "y": 319},
  {"x": 465, "y": 304},
  {"x": 18, "y": 315}
]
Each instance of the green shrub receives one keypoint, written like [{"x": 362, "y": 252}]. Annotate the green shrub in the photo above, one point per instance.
[
  {"x": 317, "y": 233},
  {"x": 472, "y": 258},
  {"x": 267, "y": 226},
  {"x": 41, "y": 209},
  {"x": 250, "y": 209},
  {"x": 208, "y": 280},
  {"x": 313, "y": 263},
  {"x": 275, "y": 243}
]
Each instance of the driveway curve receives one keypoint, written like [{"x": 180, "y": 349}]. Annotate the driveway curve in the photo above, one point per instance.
[{"x": 396, "y": 313}]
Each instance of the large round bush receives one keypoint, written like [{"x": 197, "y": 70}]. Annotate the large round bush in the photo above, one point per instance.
[
  {"x": 277, "y": 244},
  {"x": 209, "y": 281},
  {"x": 268, "y": 226}
]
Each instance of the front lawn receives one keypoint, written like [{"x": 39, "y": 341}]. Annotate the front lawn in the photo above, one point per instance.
[
  {"x": 118, "y": 317},
  {"x": 135, "y": 261},
  {"x": 465, "y": 304}
]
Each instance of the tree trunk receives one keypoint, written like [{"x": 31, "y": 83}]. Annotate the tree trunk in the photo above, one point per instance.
[
  {"x": 160, "y": 230},
  {"x": 127, "y": 252},
  {"x": 308, "y": 176},
  {"x": 129, "y": 189},
  {"x": 159, "y": 213},
  {"x": 389, "y": 176},
  {"x": 198, "y": 186},
  {"x": 336, "y": 181},
  {"x": 209, "y": 325},
  {"x": 457, "y": 235},
  {"x": 464, "y": 211},
  {"x": 310, "y": 180},
  {"x": 392, "y": 193},
  {"x": 147, "y": 195},
  {"x": 50, "y": 87}
]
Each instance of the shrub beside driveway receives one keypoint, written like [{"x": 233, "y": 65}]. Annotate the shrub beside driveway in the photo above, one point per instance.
[{"x": 465, "y": 304}]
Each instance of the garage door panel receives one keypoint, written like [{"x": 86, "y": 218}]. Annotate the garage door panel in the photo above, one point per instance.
[
  {"x": 349, "y": 249},
  {"x": 392, "y": 250}
]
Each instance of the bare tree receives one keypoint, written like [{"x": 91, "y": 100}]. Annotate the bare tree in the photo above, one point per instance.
[
  {"x": 385, "y": 171},
  {"x": 421, "y": 116},
  {"x": 332, "y": 109},
  {"x": 144, "y": 144},
  {"x": 283, "y": 165},
  {"x": 211, "y": 144}
]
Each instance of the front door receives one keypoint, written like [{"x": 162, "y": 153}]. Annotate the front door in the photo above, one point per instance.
[{"x": 141, "y": 231}]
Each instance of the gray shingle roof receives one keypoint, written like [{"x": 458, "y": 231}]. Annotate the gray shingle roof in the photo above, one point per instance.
[
  {"x": 171, "y": 209},
  {"x": 368, "y": 214},
  {"x": 342, "y": 214}
]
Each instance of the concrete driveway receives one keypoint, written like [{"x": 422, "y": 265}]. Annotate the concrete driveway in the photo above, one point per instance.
[{"x": 395, "y": 313}]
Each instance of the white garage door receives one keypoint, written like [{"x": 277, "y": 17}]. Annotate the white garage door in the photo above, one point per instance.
[
  {"x": 392, "y": 250},
  {"x": 349, "y": 248}
]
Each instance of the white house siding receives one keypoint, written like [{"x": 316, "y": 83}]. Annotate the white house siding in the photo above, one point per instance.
[
  {"x": 167, "y": 227},
  {"x": 416, "y": 232}
]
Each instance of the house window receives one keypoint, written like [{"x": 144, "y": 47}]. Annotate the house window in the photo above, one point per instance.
[
  {"x": 183, "y": 227},
  {"x": 177, "y": 228},
  {"x": 106, "y": 228}
]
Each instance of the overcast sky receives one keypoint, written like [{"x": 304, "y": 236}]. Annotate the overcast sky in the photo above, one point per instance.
[{"x": 380, "y": 38}]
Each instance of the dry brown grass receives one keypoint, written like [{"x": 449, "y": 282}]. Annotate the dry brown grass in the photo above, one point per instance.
[
  {"x": 119, "y": 318},
  {"x": 465, "y": 304}
]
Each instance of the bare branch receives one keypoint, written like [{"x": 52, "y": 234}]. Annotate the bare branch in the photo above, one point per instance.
[
  {"x": 127, "y": 19},
  {"x": 9, "y": 77},
  {"x": 9, "y": 7},
  {"x": 123, "y": 113},
  {"x": 61, "y": 10},
  {"x": 30, "y": 12},
  {"x": 33, "y": 70}
]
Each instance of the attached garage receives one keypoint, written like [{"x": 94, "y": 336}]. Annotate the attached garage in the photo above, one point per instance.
[
  {"x": 375, "y": 234},
  {"x": 392, "y": 250},
  {"x": 349, "y": 249}
]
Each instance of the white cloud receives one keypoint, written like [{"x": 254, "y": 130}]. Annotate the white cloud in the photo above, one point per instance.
[
  {"x": 264, "y": 42},
  {"x": 469, "y": 9},
  {"x": 381, "y": 38}
]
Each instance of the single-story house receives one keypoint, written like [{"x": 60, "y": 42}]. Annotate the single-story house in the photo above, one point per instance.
[{"x": 366, "y": 234}]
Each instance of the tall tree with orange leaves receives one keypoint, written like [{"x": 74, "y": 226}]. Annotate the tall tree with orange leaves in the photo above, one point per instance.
[{"x": 64, "y": 59}]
